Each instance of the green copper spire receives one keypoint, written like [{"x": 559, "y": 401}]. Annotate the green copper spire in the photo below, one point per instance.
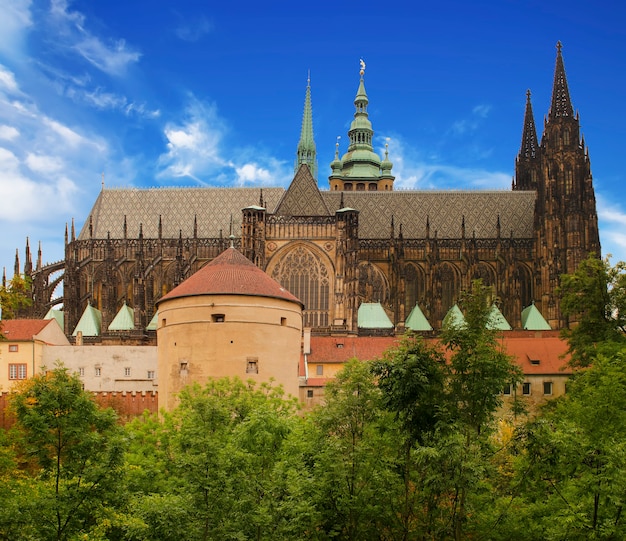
[{"x": 306, "y": 147}]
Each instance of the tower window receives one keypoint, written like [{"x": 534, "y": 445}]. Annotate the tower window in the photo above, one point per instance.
[
  {"x": 218, "y": 318},
  {"x": 252, "y": 365}
]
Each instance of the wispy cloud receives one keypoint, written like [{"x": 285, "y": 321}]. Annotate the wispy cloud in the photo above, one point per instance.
[
  {"x": 612, "y": 221},
  {"x": 472, "y": 122},
  {"x": 112, "y": 57},
  {"x": 16, "y": 17},
  {"x": 193, "y": 31},
  {"x": 413, "y": 171}
]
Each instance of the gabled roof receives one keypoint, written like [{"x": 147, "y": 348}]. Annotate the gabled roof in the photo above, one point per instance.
[
  {"x": 417, "y": 321},
  {"x": 371, "y": 315},
  {"x": 58, "y": 315},
  {"x": 230, "y": 273},
  {"x": 454, "y": 317},
  {"x": 497, "y": 321},
  {"x": 20, "y": 330},
  {"x": 152, "y": 326},
  {"x": 90, "y": 323},
  {"x": 124, "y": 320},
  {"x": 532, "y": 320},
  {"x": 303, "y": 197}
]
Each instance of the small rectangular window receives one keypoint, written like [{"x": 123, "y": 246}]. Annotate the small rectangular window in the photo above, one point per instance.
[
  {"x": 81, "y": 371},
  {"x": 150, "y": 374},
  {"x": 283, "y": 321},
  {"x": 507, "y": 389},
  {"x": 319, "y": 369},
  {"x": 98, "y": 372},
  {"x": 127, "y": 371},
  {"x": 218, "y": 318},
  {"x": 252, "y": 366},
  {"x": 13, "y": 348},
  {"x": 526, "y": 388},
  {"x": 547, "y": 387},
  {"x": 163, "y": 322},
  {"x": 309, "y": 393},
  {"x": 17, "y": 371}
]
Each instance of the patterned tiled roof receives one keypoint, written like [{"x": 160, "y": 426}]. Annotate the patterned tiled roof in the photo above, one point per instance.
[
  {"x": 230, "y": 273},
  {"x": 23, "y": 329},
  {"x": 215, "y": 206},
  {"x": 177, "y": 208},
  {"x": 444, "y": 210},
  {"x": 303, "y": 197}
]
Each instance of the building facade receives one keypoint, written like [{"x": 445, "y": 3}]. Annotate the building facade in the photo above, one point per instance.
[{"x": 360, "y": 241}]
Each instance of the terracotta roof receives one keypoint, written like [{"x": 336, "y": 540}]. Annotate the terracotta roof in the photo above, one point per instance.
[
  {"x": 230, "y": 273},
  {"x": 549, "y": 351},
  {"x": 341, "y": 349},
  {"x": 23, "y": 329},
  {"x": 543, "y": 355}
]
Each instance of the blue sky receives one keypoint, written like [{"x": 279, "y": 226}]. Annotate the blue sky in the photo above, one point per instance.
[{"x": 211, "y": 93}]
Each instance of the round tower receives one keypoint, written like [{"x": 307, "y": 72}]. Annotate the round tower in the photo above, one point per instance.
[{"x": 228, "y": 319}]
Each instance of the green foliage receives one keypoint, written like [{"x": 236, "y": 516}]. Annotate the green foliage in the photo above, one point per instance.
[
  {"x": 72, "y": 448},
  {"x": 594, "y": 299},
  {"x": 13, "y": 296},
  {"x": 478, "y": 367},
  {"x": 573, "y": 469},
  {"x": 411, "y": 380}
]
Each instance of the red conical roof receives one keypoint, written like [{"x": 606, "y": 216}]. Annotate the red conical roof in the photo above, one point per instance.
[{"x": 231, "y": 273}]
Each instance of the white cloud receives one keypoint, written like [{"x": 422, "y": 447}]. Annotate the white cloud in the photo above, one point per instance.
[
  {"x": 193, "y": 145},
  {"x": 612, "y": 222},
  {"x": 414, "y": 172},
  {"x": 7, "y": 80},
  {"x": 8, "y": 133},
  {"x": 251, "y": 172},
  {"x": 40, "y": 163},
  {"x": 16, "y": 18},
  {"x": 112, "y": 58}
]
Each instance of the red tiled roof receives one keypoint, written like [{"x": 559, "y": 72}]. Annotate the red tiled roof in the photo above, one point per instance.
[
  {"x": 342, "y": 349},
  {"x": 547, "y": 348},
  {"x": 231, "y": 273},
  {"x": 23, "y": 329}
]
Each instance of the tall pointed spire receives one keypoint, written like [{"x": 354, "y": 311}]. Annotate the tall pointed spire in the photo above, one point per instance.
[
  {"x": 561, "y": 104},
  {"x": 306, "y": 146},
  {"x": 529, "y": 145},
  {"x": 527, "y": 167}
]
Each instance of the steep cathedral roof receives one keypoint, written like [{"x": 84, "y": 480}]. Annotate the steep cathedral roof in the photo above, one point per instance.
[
  {"x": 303, "y": 197},
  {"x": 230, "y": 273}
]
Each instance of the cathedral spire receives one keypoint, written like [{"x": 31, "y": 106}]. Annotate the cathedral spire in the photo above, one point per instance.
[
  {"x": 306, "y": 146},
  {"x": 561, "y": 104},
  {"x": 529, "y": 145}
]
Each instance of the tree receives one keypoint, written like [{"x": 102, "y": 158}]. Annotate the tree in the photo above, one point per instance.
[
  {"x": 74, "y": 451},
  {"x": 573, "y": 466},
  {"x": 13, "y": 296},
  {"x": 478, "y": 371},
  {"x": 594, "y": 300}
]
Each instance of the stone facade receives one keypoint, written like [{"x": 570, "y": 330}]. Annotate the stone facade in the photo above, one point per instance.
[{"x": 360, "y": 241}]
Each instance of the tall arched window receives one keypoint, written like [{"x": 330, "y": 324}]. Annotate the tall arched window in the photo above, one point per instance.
[
  {"x": 413, "y": 287},
  {"x": 304, "y": 274},
  {"x": 448, "y": 287}
]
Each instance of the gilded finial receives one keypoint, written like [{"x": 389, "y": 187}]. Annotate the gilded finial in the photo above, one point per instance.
[
  {"x": 387, "y": 148},
  {"x": 308, "y": 78},
  {"x": 103, "y": 180},
  {"x": 362, "y": 71}
]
